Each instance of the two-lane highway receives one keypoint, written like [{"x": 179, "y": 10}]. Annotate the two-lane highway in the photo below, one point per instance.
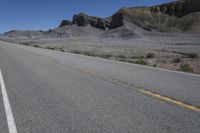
[{"x": 56, "y": 92}]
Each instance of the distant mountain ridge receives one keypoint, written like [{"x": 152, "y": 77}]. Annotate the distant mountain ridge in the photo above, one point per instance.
[
  {"x": 178, "y": 16},
  {"x": 181, "y": 16}
]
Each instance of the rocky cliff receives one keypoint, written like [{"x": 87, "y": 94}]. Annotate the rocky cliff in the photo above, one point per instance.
[
  {"x": 178, "y": 8},
  {"x": 82, "y": 19},
  {"x": 179, "y": 16}
]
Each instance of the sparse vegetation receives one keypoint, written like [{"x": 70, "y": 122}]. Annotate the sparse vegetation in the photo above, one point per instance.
[
  {"x": 192, "y": 55},
  {"x": 25, "y": 43},
  {"x": 164, "y": 61},
  {"x": 141, "y": 57},
  {"x": 122, "y": 59},
  {"x": 133, "y": 57},
  {"x": 87, "y": 53},
  {"x": 75, "y": 51},
  {"x": 106, "y": 56},
  {"x": 186, "y": 68},
  {"x": 173, "y": 63},
  {"x": 176, "y": 60},
  {"x": 121, "y": 56},
  {"x": 130, "y": 61},
  {"x": 141, "y": 61},
  {"x": 150, "y": 55},
  {"x": 60, "y": 49},
  {"x": 51, "y": 48},
  {"x": 37, "y": 46}
]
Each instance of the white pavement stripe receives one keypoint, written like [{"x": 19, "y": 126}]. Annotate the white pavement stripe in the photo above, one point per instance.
[{"x": 9, "y": 115}]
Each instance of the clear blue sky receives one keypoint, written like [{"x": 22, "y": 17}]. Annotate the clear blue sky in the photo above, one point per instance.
[{"x": 46, "y": 14}]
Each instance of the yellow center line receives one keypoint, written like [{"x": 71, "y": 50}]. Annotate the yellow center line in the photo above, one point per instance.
[
  {"x": 165, "y": 98},
  {"x": 154, "y": 94},
  {"x": 148, "y": 92}
]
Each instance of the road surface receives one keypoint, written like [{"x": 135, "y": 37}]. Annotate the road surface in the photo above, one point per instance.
[{"x": 57, "y": 92}]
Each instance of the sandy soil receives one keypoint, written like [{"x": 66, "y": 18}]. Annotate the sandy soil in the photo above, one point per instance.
[{"x": 171, "y": 56}]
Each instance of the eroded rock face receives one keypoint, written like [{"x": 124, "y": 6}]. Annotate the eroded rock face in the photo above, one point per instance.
[
  {"x": 136, "y": 16},
  {"x": 65, "y": 22},
  {"x": 83, "y": 20},
  {"x": 80, "y": 19},
  {"x": 179, "y": 8},
  {"x": 117, "y": 20},
  {"x": 178, "y": 16}
]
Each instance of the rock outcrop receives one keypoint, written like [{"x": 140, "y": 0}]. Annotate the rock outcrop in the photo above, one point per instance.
[
  {"x": 82, "y": 19},
  {"x": 178, "y": 8},
  {"x": 178, "y": 16},
  {"x": 65, "y": 22}
]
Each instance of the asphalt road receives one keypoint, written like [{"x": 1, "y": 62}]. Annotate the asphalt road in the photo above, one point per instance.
[{"x": 56, "y": 92}]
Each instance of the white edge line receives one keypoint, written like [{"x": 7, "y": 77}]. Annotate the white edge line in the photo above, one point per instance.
[{"x": 9, "y": 115}]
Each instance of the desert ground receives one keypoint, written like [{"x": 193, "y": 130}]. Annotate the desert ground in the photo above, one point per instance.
[{"x": 173, "y": 51}]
